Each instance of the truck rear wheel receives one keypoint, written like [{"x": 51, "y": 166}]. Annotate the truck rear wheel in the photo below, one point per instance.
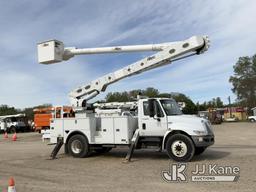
[
  {"x": 180, "y": 148},
  {"x": 78, "y": 146}
]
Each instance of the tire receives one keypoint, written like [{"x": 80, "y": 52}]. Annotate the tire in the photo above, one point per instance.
[
  {"x": 199, "y": 150},
  {"x": 66, "y": 149},
  {"x": 252, "y": 120},
  {"x": 103, "y": 150},
  {"x": 78, "y": 146},
  {"x": 180, "y": 148}
]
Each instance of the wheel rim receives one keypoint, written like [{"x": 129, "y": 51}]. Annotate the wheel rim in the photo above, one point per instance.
[
  {"x": 179, "y": 148},
  {"x": 76, "y": 146}
]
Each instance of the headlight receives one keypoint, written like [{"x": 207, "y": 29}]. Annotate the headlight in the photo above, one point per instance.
[{"x": 200, "y": 132}]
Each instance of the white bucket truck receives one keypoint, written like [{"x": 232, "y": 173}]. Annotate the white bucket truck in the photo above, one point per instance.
[
  {"x": 13, "y": 123},
  {"x": 154, "y": 122}
]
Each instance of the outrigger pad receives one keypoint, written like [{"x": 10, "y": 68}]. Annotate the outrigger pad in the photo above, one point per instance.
[
  {"x": 133, "y": 145},
  {"x": 56, "y": 148}
]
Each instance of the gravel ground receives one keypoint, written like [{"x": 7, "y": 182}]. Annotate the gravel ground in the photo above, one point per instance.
[{"x": 27, "y": 161}]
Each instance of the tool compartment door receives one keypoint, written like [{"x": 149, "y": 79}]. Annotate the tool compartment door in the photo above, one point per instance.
[
  {"x": 56, "y": 129},
  {"x": 124, "y": 128},
  {"x": 107, "y": 130}
]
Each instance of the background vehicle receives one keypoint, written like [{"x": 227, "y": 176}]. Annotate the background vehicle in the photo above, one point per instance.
[
  {"x": 43, "y": 116},
  {"x": 252, "y": 118},
  {"x": 14, "y": 123},
  {"x": 159, "y": 122},
  {"x": 214, "y": 116}
]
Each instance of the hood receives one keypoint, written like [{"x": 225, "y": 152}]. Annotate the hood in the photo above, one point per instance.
[
  {"x": 186, "y": 119},
  {"x": 188, "y": 123}
]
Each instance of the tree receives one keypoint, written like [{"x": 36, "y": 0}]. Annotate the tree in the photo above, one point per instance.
[
  {"x": 218, "y": 102},
  {"x": 6, "y": 110},
  {"x": 202, "y": 107},
  {"x": 151, "y": 92},
  {"x": 117, "y": 97},
  {"x": 214, "y": 103},
  {"x": 190, "y": 107},
  {"x": 30, "y": 111},
  {"x": 244, "y": 81},
  {"x": 131, "y": 95},
  {"x": 134, "y": 93}
]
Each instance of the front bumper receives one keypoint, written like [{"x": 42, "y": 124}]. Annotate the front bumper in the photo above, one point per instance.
[{"x": 203, "y": 141}]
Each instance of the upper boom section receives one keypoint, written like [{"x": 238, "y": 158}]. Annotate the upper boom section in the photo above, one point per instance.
[{"x": 53, "y": 51}]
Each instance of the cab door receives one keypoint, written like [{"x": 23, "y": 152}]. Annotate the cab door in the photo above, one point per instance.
[{"x": 152, "y": 126}]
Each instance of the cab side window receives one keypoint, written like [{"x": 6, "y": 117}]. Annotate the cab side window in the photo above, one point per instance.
[
  {"x": 158, "y": 109},
  {"x": 145, "y": 108}
]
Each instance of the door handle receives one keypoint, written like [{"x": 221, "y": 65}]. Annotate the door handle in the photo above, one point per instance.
[
  {"x": 104, "y": 130},
  {"x": 143, "y": 126},
  {"x": 117, "y": 130}
]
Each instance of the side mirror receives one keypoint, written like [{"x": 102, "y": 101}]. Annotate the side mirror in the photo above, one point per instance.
[{"x": 151, "y": 107}]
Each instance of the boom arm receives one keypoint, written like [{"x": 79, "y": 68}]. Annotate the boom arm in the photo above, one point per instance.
[{"x": 167, "y": 52}]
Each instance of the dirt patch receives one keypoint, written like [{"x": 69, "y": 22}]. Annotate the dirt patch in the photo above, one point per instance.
[{"x": 26, "y": 160}]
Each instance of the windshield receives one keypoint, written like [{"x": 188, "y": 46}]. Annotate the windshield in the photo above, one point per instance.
[{"x": 170, "y": 107}]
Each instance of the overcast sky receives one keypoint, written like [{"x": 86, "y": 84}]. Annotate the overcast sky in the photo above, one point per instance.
[{"x": 231, "y": 26}]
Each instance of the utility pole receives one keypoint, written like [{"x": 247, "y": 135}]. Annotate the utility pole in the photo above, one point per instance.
[{"x": 229, "y": 103}]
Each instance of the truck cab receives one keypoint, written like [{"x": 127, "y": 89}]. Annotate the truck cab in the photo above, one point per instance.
[{"x": 180, "y": 135}]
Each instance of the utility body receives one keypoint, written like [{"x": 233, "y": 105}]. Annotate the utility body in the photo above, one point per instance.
[{"x": 153, "y": 121}]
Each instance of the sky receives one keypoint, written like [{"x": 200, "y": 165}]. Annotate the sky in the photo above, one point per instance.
[{"x": 230, "y": 25}]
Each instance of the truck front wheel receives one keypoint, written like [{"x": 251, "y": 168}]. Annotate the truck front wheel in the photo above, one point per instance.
[
  {"x": 180, "y": 148},
  {"x": 78, "y": 146}
]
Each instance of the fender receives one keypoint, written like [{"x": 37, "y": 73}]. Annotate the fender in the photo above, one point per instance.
[
  {"x": 71, "y": 133},
  {"x": 172, "y": 132}
]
